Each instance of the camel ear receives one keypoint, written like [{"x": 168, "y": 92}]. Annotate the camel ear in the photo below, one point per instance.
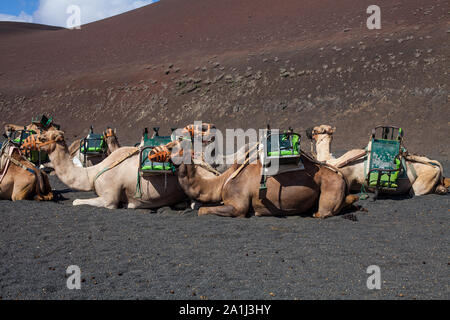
[{"x": 59, "y": 138}]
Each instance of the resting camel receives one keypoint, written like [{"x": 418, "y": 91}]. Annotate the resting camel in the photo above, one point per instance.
[
  {"x": 111, "y": 141},
  {"x": 287, "y": 193},
  {"x": 11, "y": 128},
  {"x": 424, "y": 175},
  {"x": 114, "y": 179},
  {"x": 19, "y": 178}
]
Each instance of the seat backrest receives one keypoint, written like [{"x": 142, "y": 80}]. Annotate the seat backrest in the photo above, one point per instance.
[
  {"x": 285, "y": 144},
  {"x": 157, "y": 141},
  {"x": 94, "y": 143},
  {"x": 384, "y": 154}
]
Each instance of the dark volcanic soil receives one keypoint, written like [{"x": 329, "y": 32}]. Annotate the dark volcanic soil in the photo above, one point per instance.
[
  {"x": 239, "y": 64},
  {"x": 168, "y": 254}
]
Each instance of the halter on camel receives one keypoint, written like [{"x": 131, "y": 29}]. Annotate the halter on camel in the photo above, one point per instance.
[{"x": 6, "y": 152}]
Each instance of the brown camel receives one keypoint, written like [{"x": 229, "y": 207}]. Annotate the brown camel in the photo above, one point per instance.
[
  {"x": 19, "y": 178},
  {"x": 289, "y": 193}
]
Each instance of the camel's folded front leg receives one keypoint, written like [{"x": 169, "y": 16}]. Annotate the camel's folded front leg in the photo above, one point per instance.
[
  {"x": 95, "y": 202},
  {"x": 223, "y": 211}
]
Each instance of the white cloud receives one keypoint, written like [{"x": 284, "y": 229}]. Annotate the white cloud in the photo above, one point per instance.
[
  {"x": 22, "y": 17},
  {"x": 54, "y": 12}
]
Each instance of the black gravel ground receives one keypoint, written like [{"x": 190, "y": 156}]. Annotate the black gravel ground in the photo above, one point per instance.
[{"x": 169, "y": 254}]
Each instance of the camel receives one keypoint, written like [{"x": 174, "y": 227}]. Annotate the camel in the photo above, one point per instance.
[
  {"x": 114, "y": 179},
  {"x": 288, "y": 193},
  {"x": 11, "y": 128},
  {"x": 424, "y": 175},
  {"x": 19, "y": 178},
  {"x": 112, "y": 145}
]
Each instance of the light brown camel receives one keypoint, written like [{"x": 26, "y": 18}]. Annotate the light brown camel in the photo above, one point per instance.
[
  {"x": 287, "y": 193},
  {"x": 20, "y": 179},
  {"x": 114, "y": 179},
  {"x": 424, "y": 175},
  {"x": 112, "y": 145}
]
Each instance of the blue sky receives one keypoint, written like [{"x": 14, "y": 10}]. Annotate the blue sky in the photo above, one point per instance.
[
  {"x": 14, "y": 7},
  {"x": 54, "y": 12}
]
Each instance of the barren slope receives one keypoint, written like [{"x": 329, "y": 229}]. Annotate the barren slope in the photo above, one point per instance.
[{"x": 240, "y": 63}]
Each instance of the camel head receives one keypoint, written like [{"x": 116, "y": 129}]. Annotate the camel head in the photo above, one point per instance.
[
  {"x": 45, "y": 141},
  {"x": 205, "y": 131},
  {"x": 320, "y": 132},
  {"x": 109, "y": 133}
]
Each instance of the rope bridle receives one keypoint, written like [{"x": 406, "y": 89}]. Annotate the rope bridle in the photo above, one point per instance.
[
  {"x": 33, "y": 142},
  {"x": 109, "y": 133}
]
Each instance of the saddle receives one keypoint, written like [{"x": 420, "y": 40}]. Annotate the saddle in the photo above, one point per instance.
[
  {"x": 151, "y": 159},
  {"x": 93, "y": 145},
  {"x": 279, "y": 153},
  {"x": 384, "y": 162},
  {"x": 37, "y": 157}
]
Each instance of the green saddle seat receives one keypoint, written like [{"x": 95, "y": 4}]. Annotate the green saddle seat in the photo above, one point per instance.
[
  {"x": 93, "y": 143},
  {"x": 32, "y": 155},
  {"x": 384, "y": 156},
  {"x": 288, "y": 145},
  {"x": 148, "y": 166}
]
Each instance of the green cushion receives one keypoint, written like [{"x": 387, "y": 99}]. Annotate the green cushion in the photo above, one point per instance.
[
  {"x": 148, "y": 165},
  {"x": 95, "y": 143},
  {"x": 384, "y": 180},
  {"x": 166, "y": 166},
  {"x": 283, "y": 153},
  {"x": 93, "y": 149}
]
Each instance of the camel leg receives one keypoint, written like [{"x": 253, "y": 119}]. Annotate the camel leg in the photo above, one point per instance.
[
  {"x": 446, "y": 183},
  {"x": 96, "y": 202},
  {"x": 223, "y": 211},
  {"x": 22, "y": 191},
  {"x": 332, "y": 200}
]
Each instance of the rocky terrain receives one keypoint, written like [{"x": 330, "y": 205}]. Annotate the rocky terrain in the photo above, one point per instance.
[{"x": 239, "y": 64}]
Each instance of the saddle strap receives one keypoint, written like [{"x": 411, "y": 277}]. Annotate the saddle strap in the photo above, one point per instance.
[
  {"x": 238, "y": 170},
  {"x": 357, "y": 157},
  {"x": 10, "y": 159}
]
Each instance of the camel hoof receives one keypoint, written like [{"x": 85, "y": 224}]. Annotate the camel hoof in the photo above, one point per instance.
[
  {"x": 317, "y": 216},
  {"x": 76, "y": 202},
  {"x": 441, "y": 190},
  {"x": 202, "y": 212}
]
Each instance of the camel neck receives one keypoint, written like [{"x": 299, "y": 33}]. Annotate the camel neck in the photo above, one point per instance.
[
  {"x": 323, "y": 148},
  {"x": 113, "y": 144},
  {"x": 74, "y": 177}
]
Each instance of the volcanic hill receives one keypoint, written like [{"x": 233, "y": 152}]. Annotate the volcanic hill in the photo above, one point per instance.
[{"x": 238, "y": 64}]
